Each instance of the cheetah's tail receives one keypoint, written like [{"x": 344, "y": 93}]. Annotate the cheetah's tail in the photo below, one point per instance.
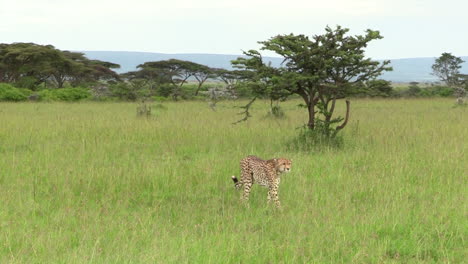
[{"x": 237, "y": 183}]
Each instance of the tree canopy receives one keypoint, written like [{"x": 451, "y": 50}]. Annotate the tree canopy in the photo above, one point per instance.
[
  {"x": 175, "y": 72},
  {"x": 320, "y": 69},
  {"x": 447, "y": 68},
  {"x": 29, "y": 65}
]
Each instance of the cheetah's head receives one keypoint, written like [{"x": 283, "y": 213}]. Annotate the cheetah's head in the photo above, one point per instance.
[{"x": 283, "y": 165}]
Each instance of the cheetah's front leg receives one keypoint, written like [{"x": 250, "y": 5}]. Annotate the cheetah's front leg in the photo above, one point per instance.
[{"x": 273, "y": 194}]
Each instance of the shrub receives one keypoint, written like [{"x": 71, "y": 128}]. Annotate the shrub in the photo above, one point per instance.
[
  {"x": 123, "y": 91},
  {"x": 189, "y": 88},
  {"x": 64, "y": 94},
  {"x": 13, "y": 94},
  {"x": 73, "y": 94},
  {"x": 132, "y": 90},
  {"x": 315, "y": 140},
  {"x": 443, "y": 91},
  {"x": 164, "y": 90},
  {"x": 378, "y": 88},
  {"x": 430, "y": 91},
  {"x": 413, "y": 90},
  {"x": 47, "y": 95},
  {"x": 26, "y": 92}
]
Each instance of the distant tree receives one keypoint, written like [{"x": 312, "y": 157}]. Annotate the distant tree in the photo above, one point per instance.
[
  {"x": 91, "y": 71},
  {"x": 102, "y": 70},
  {"x": 67, "y": 67},
  {"x": 320, "y": 70},
  {"x": 175, "y": 71},
  {"x": 29, "y": 65},
  {"x": 233, "y": 78},
  {"x": 447, "y": 67},
  {"x": 379, "y": 88},
  {"x": 201, "y": 74},
  {"x": 230, "y": 78},
  {"x": 413, "y": 89},
  {"x": 133, "y": 90}
]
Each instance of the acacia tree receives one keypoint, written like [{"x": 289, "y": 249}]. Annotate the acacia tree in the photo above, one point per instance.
[
  {"x": 27, "y": 64},
  {"x": 176, "y": 71},
  {"x": 447, "y": 67},
  {"x": 232, "y": 78},
  {"x": 378, "y": 87},
  {"x": 30, "y": 65},
  {"x": 201, "y": 74},
  {"x": 321, "y": 70},
  {"x": 70, "y": 65}
]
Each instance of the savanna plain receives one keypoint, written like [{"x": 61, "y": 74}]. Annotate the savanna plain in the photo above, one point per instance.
[{"x": 93, "y": 183}]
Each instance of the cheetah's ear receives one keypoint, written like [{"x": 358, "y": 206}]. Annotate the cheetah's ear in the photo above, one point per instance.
[{"x": 275, "y": 160}]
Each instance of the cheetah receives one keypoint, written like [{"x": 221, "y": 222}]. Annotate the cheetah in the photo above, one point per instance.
[{"x": 263, "y": 172}]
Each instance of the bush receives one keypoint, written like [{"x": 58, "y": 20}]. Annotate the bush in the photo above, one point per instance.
[
  {"x": 315, "y": 140},
  {"x": 164, "y": 90},
  {"x": 442, "y": 91},
  {"x": 379, "y": 88},
  {"x": 13, "y": 94},
  {"x": 123, "y": 91},
  {"x": 413, "y": 90},
  {"x": 132, "y": 90},
  {"x": 64, "y": 94},
  {"x": 47, "y": 95},
  {"x": 26, "y": 92},
  {"x": 189, "y": 89},
  {"x": 430, "y": 91}
]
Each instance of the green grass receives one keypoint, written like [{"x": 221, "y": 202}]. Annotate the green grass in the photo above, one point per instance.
[{"x": 92, "y": 183}]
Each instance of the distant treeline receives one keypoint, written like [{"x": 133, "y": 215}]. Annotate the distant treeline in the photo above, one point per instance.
[{"x": 42, "y": 72}]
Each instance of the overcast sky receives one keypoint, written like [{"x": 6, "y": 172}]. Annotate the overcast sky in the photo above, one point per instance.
[{"x": 411, "y": 28}]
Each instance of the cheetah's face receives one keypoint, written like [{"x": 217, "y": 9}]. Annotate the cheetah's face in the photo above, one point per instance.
[{"x": 283, "y": 165}]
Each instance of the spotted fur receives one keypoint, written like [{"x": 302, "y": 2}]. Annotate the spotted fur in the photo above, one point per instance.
[{"x": 263, "y": 172}]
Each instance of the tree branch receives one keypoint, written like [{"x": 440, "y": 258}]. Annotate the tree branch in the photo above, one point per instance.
[
  {"x": 338, "y": 128},
  {"x": 245, "y": 112}
]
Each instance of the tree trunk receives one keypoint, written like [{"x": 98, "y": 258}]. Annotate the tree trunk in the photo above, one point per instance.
[
  {"x": 60, "y": 80},
  {"x": 311, "y": 109},
  {"x": 332, "y": 109},
  {"x": 200, "y": 83}
]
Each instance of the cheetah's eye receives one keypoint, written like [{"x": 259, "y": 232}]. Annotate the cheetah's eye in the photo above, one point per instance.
[{"x": 284, "y": 164}]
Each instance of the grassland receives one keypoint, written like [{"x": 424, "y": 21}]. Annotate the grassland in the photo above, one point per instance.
[{"x": 92, "y": 183}]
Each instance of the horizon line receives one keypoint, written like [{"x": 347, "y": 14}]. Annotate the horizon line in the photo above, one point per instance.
[{"x": 229, "y": 54}]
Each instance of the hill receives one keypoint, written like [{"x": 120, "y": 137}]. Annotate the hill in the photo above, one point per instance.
[{"x": 404, "y": 70}]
